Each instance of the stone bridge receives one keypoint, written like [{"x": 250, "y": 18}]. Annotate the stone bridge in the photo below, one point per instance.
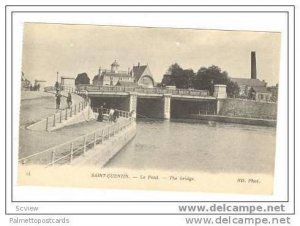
[{"x": 161, "y": 103}]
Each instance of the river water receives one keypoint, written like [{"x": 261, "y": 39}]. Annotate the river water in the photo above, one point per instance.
[{"x": 196, "y": 146}]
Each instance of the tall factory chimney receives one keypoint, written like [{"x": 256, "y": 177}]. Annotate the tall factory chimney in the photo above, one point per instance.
[{"x": 253, "y": 65}]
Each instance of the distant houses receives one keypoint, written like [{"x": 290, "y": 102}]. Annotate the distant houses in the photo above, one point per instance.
[
  {"x": 253, "y": 88},
  {"x": 139, "y": 75},
  {"x": 25, "y": 83},
  {"x": 39, "y": 84},
  {"x": 142, "y": 76},
  {"x": 67, "y": 83}
]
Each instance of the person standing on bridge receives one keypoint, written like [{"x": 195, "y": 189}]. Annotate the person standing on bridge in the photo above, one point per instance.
[
  {"x": 86, "y": 97},
  {"x": 58, "y": 96},
  {"x": 100, "y": 114},
  {"x": 115, "y": 115},
  {"x": 69, "y": 100}
]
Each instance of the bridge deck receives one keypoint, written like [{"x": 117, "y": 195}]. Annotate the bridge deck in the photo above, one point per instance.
[{"x": 119, "y": 91}]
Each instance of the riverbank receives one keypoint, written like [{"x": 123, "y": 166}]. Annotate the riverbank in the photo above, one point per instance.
[
  {"x": 104, "y": 152},
  {"x": 233, "y": 119}
]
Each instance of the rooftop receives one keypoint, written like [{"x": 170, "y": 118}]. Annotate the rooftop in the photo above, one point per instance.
[
  {"x": 260, "y": 89},
  {"x": 119, "y": 74},
  {"x": 248, "y": 82},
  {"x": 138, "y": 71},
  {"x": 64, "y": 77}
]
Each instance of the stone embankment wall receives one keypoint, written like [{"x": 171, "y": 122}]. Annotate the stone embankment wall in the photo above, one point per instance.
[
  {"x": 104, "y": 152},
  {"x": 248, "y": 108}
]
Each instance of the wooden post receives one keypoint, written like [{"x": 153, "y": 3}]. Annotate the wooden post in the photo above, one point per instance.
[
  {"x": 66, "y": 114},
  {"x": 75, "y": 110},
  {"x": 84, "y": 145},
  {"x": 54, "y": 120},
  {"x": 71, "y": 152},
  {"x": 47, "y": 123},
  {"x": 102, "y": 135},
  {"x": 79, "y": 107},
  {"x": 95, "y": 139},
  {"x": 71, "y": 112},
  {"x": 53, "y": 157},
  {"x": 108, "y": 133},
  {"x": 60, "y": 117}
]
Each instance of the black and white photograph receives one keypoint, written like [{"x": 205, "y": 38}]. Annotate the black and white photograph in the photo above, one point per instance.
[
  {"x": 150, "y": 113},
  {"x": 177, "y": 102}
]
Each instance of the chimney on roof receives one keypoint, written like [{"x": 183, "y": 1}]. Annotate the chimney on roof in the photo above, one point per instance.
[
  {"x": 139, "y": 64},
  {"x": 253, "y": 65}
]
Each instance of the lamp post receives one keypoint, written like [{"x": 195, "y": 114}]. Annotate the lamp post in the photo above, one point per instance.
[{"x": 56, "y": 84}]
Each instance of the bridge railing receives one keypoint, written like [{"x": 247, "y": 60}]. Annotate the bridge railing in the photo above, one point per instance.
[
  {"x": 66, "y": 152},
  {"x": 64, "y": 114},
  {"x": 155, "y": 90}
]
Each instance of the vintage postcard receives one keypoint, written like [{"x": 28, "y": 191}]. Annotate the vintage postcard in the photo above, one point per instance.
[{"x": 148, "y": 108}]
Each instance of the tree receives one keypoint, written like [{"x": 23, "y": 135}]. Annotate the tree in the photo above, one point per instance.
[
  {"x": 82, "y": 78},
  {"x": 177, "y": 76},
  {"x": 206, "y": 78},
  {"x": 188, "y": 74},
  {"x": 167, "y": 81},
  {"x": 233, "y": 89}
]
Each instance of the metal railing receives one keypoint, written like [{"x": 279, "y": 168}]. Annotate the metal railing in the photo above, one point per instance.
[
  {"x": 67, "y": 89},
  {"x": 64, "y": 114},
  {"x": 155, "y": 90},
  {"x": 66, "y": 152}
]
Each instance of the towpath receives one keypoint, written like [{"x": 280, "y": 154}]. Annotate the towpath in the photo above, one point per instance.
[{"x": 36, "y": 108}]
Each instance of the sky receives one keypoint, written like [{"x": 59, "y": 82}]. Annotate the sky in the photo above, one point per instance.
[{"x": 73, "y": 49}]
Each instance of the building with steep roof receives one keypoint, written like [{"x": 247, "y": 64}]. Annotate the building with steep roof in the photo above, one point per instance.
[
  {"x": 111, "y": 77},
  {"x": 143, "y": 76},
  {"x": 140, "y": 75}
]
